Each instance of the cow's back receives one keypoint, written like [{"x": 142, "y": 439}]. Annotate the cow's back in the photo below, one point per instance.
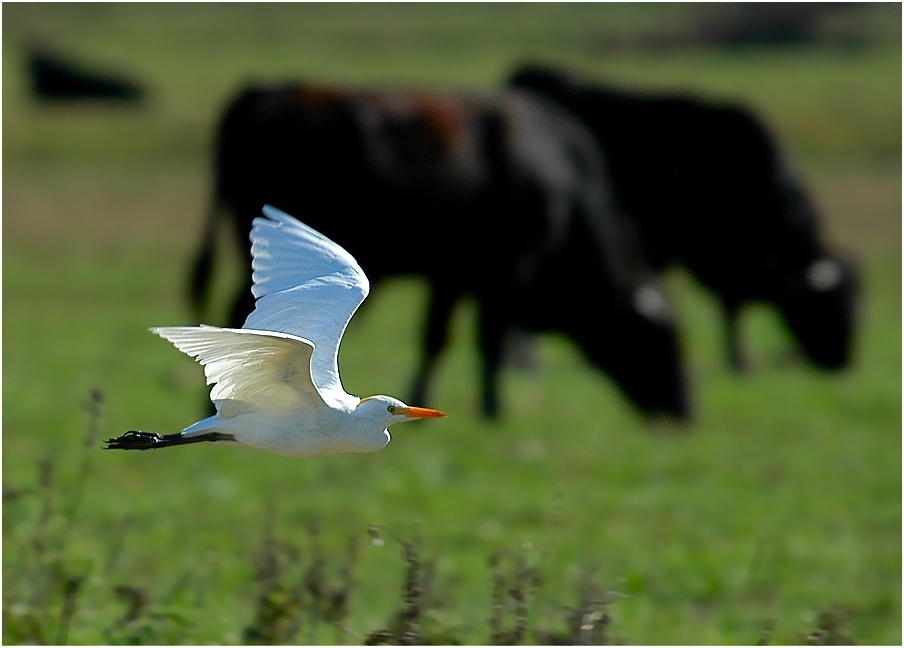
[
  {"x": 703, "y": 181},
  {"x": 392, "y": 175}
]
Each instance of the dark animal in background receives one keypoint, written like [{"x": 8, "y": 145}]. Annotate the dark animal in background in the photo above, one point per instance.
[
  {"x": 707, "y": 188},
  {"x": 58, "y": 78},
  {"x": 482, "y": 196}
]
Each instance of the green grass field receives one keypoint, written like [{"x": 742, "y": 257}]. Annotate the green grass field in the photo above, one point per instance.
[{"x": 776, "y": 513}]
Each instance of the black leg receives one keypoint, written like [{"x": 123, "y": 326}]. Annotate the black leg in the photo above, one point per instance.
[
  {"x": 491, "y": 332},
  {"x": 242, "y": 305},
  {"x": 736, "y": 357},
  {"x": 436, "y": 332},
  {"x": 136, "y": 440}
]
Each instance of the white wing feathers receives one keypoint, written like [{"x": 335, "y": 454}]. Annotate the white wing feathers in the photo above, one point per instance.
[
  {"x": 306, "y": 286},
  {"x": 266, "y": 369},
  {"x": 285, "y": 356}
]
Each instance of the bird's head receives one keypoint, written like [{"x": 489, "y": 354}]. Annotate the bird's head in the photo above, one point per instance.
[{"x": 388, "y": 410}]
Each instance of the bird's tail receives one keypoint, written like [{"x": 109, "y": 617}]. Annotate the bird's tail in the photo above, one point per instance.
[{"x": 137, "y": 440}]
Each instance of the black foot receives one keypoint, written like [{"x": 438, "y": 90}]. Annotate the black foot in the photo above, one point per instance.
[
  {"x": 491, "y": 408},
  {"x": 418, "y": 393},
  {"x": 135, "y": 440},
  {"x": 739, "y": 365}
]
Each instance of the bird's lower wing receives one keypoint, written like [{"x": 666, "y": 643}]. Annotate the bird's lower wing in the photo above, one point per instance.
[{"x": 263, "y": 370}]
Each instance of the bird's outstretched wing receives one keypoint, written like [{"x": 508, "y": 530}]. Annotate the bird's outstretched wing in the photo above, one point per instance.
[
  {"x": 305, "y": 285},
  {"x": 249, "y": 369}
]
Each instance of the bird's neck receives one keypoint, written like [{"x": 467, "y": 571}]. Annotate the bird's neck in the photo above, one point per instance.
[{"x": 367, "y": 435}]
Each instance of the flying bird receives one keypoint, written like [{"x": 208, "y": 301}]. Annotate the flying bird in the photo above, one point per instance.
[{"x": 276, "y": 380}]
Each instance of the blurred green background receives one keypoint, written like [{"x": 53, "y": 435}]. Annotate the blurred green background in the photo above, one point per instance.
[{"x": 776, "y": 513}]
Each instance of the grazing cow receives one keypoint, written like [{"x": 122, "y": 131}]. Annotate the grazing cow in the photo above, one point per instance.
[
  {"x": 480, "y": 196},
  {"x": 707, "y": 188},
  {"x": 57, "y": 78}
]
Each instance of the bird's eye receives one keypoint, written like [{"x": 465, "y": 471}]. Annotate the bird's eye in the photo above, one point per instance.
[{"x": 392, "y": 409}]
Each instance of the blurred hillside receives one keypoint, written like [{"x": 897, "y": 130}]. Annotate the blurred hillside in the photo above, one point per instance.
[{"x": 192, "y": 57}]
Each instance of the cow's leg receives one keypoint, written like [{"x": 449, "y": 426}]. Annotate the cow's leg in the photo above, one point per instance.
[
  {"x": 243, "y": 213},
  {"x": 242, "y": 304},
  {"x": 436, "y": 333},
  {"x": 491, "y": 334},
  {"x": 736, "y": 356}
]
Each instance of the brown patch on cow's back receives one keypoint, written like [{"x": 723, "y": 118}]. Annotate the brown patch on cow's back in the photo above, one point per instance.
[
  {"x": 319, "y": 97},
  {"x": 444, "y": 115}
]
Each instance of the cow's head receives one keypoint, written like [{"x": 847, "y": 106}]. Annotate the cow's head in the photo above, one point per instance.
[
  {"x": 819, "y": 304},
  {"x": 816, "y": 291},
  {"x": 635, "y": 342},
  {"x": 539, "y": 77},
  {"x": 777, "y": 253}
]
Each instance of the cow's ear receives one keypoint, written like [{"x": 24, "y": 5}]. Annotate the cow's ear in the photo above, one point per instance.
[
  {"x": 824, "y": 275},
  {"x": 649, "y": 302}
]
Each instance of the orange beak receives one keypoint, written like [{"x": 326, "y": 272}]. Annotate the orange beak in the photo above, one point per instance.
[{"x": 422, "y": 412}]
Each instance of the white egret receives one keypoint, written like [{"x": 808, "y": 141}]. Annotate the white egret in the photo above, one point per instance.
[{"x": 276, "y": 379}]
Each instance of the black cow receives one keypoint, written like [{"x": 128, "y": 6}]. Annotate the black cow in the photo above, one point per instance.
[
  {"x": 707, "y": 187},
  {"x": 58, "y": 78},
  {"x": 480, "y": 196}
]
